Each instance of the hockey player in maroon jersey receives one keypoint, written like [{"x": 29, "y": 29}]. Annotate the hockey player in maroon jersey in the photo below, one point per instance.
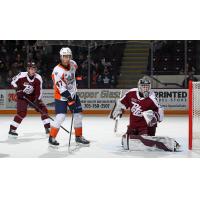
[
  {"x": 145, "y": 114},
  {"x": 28, "y": 84}
]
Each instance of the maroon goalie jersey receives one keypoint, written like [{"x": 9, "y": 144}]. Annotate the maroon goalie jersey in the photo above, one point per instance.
[
  {"x": 137, "y": 105},
  {"x": 32, "y": 88}
]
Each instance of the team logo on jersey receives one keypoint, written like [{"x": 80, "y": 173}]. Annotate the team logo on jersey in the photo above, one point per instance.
[
  {"x": 28, "y": 88},
  {"x": 136, "y": 109},
  {"x": 69, "y": 77}
]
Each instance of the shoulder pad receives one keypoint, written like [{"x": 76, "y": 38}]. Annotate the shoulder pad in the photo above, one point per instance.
[{"x": 38, "y": 77}]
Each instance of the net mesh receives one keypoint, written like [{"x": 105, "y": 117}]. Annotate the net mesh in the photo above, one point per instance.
[{"x": 196, "y": 110}]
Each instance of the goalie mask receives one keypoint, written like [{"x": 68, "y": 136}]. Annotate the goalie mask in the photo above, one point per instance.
[{"x": 144, "y": 87}]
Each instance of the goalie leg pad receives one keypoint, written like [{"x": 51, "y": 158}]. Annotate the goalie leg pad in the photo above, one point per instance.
[{"x": 142, "y": 143}]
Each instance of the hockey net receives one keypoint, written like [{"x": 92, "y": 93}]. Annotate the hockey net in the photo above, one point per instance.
[{"x": 194, "y": 115}]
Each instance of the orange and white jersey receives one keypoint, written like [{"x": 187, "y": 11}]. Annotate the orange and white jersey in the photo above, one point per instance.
[{"x": 64, "y": 79}]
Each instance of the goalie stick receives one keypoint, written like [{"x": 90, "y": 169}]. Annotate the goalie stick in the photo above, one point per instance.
[{"x": 118, "y": 117}]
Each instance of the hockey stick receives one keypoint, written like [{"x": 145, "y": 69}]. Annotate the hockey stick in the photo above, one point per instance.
[
  {"x": 35, "y": 106},
  {"x": 70, "y": 134}
]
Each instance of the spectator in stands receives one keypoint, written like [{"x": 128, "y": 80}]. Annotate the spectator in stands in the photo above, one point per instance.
[
  {"x": 80, "y": 59},
  {"x": 19, "y": 61},
  {"x": 84, "y": 76},
  {"x": 23, "y": 52},
  {"x": 47, "y": 82},
  {"x": 2, "y": 66},
  {"x": 13, "y": 55},
  {"x": 105, "y": 79},
  {"x": 9, "y": 77},
  {"x": 15, "y": 68},
  {"x": 95, "y": 75},
  {"x": 113, "y": 81},
  {"x": 2, "y": 83},
  {"x": 185, "y": 83}
]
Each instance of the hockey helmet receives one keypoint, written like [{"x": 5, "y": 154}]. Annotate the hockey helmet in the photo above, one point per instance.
[
  {"x": 65, "y": 51},
  {"x": 31, "y": 64}
]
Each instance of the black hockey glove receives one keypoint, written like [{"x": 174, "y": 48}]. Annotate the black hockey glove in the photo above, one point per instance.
[{"x": 70, "y": 102}]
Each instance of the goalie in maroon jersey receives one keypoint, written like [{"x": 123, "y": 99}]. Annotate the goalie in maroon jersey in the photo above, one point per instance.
[
  {"x": 145, "y": 114},
  {"x": 28, "y": 84}
]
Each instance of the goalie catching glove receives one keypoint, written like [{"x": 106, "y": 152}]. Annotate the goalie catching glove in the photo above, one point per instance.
[{"x": 150, "y": 118}]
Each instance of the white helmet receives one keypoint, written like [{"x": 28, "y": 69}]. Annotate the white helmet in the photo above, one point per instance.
[
  {"x": 144, "y": 86},
  {"x": 65, "y": 51}
]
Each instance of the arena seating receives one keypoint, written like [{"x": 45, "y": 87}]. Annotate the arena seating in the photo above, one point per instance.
[{"x": 169, "y": 57}]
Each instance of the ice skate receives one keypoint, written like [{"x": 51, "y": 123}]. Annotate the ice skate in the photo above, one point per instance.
[
  {"x": 82, "y": 141},
  {"x": 12, "y": 134},
  {"x": 53, "y": 142}
]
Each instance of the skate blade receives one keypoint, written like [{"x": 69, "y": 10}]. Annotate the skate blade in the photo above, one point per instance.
[
  {"x": 12, "y": 136},
  {"x": 178, "y": 150},
  {"x": 82, "y": 145},
  {"x": 74, "y": 149},
  {"x": 54, "y": 146}
]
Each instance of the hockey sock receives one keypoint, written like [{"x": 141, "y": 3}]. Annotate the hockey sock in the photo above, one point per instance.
[
  {"x": 78, "y": 131},
  {"x": 16, "y": 122},
  {"x": 45, "y": 121},
  {"x": 54, "y": 132}
]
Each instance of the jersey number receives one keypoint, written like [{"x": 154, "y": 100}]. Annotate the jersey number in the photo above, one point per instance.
[{"x": 59, "y": 84}]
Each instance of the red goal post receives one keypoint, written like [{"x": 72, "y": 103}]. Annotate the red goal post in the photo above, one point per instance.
[{"x": 194, "y": 115}]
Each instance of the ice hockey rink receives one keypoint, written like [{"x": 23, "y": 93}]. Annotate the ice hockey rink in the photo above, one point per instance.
[{"x": 32, "y": 141}]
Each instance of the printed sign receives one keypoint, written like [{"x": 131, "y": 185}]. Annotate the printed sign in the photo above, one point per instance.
[
  {"x": 2, "y": 99},
  {"x": 172, "y": 99},
  {"x": 103, "y": 99}
]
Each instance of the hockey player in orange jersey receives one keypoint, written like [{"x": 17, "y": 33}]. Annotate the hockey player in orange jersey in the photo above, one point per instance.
[{"x": 65, "y": 97}]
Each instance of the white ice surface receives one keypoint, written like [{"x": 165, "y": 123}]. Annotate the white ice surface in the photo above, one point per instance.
[{"x": 97, "y": 128}]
